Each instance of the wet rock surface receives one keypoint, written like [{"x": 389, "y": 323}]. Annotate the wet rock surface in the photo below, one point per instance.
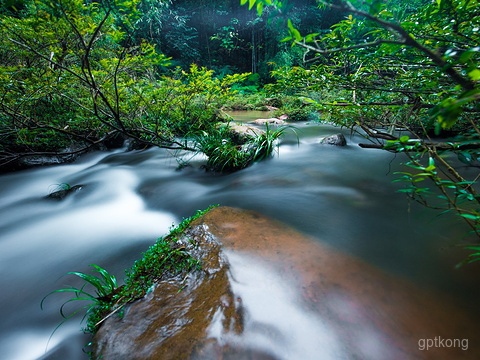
[
  {"x": 172, "y": 320},
  {"x": 336, "y": 140},
  {"x": 368, "y": 314},
  {"x": 63, "y": 193},
  {"x": 283, "y": 296},
  {"x": 243, "y": 133},
  {"x": 269, "y": 121}
]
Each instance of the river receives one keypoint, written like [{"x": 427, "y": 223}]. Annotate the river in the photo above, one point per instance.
[{"x": 341, "y": 196}]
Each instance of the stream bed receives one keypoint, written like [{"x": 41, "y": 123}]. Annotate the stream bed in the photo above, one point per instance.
[{"x": 342, "y": 197}]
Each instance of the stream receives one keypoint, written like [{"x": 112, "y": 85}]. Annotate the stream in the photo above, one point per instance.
[{"x": 341, "y": 196}]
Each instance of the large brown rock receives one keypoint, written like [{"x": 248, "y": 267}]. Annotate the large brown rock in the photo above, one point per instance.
[
  {"x": 174, "y": 317},
  {"x": 284, "y": 296}
]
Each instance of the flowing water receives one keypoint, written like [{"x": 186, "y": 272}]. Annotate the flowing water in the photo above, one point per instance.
[{"x": 341, "y": 196}]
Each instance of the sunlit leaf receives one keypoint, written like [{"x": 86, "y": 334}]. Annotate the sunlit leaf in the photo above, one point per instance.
[
  {"x": 470, "y": 217},
  {"x": 259, "y": 8},
  {"x": 474, "y": 74}
]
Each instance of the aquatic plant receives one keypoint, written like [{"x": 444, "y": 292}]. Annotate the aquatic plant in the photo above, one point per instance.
[
  {"x": 226, "y": 154},
  {"x": 264, "y": 144},
  {"x": 104, "y": 285}
]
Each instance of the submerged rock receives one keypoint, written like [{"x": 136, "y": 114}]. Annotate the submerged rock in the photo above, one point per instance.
[
  {"x": 337, "y": 140},
  {"x": 64, "y": 192}
]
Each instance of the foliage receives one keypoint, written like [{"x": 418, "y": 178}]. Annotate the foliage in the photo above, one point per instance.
[
  {"x": 247, "y": 101},
  {"x": 228, "y": 36},
  {"x": 68, "y": 72},
  {"x": 104, "y": 284},
  {"x": 166, "y": 258},
  {"x": 264, "y": 144},
  {"x": 226, "y": 153},
  {"x": 73, "y": 73},
  {"x": 454, "y": 196},
  {"x": 194, "y": 97}
]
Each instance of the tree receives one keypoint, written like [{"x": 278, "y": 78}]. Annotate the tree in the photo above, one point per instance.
[{"x": 75, "y": 73}]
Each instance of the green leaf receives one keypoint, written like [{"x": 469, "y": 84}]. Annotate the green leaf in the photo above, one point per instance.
[
  {"x": 310, "y": 37},
  {"x": 307, "y": 100},
  {"x": 474, "y": 74},
  {"x": 470, "y": 216},
  {"x": 465, "y": 157},
  {"x": 466, "y": 56},
  {"x": 297, "y": 35},
  {"x": 243, "y": 2},
  {"x": 250, "y": 4},
  {"x": 259, "y": 8},
  {"x": 290, "y": 25}
]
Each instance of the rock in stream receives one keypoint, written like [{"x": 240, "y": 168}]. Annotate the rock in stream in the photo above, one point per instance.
[{"x": 269, "y": 292}]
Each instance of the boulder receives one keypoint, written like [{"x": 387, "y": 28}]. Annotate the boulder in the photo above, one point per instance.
[
  {"x": 243, "y": 132},
  {"x": 172, "y": 320},
  {"x": 270, "y": 121},
  {"x": 272, "y": 293},
  {"x": 337, "y": 140}
]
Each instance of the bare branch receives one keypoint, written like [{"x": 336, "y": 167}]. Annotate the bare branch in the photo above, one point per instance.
[{"x": 318, "y": 50}]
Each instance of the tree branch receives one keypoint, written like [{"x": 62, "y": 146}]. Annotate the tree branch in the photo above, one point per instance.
[
  {"x": 318, "y": 50},
  {"x": 408, "y": 40}
]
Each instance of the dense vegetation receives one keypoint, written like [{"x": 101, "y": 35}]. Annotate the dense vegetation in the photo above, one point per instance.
[{"x": 78, "y": 75}]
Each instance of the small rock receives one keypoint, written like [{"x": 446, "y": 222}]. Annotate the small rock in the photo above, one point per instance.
[
  {"x": 62, "y": 194},
  {"x": 243, "y": 133},
  {"x": 337, "y": 140},
  {"x": 271, "y": 108},
  {"x": 270, "y": 121}
]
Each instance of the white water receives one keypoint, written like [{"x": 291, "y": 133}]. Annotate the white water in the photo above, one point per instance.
[{"x": 343, "y": 196}]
